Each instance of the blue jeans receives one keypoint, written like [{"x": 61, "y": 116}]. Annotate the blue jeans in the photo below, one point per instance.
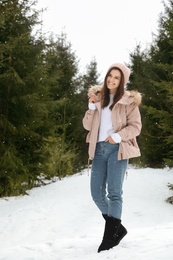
[{"x": 107, "y": 176}]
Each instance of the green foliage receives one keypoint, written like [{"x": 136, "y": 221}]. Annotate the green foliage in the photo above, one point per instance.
[
  {"x": 21, "y": 68},
  {"x": 60, "y": 159},
  {"x": 41, "y": 103},
  {"x": 152, "y": 76}
]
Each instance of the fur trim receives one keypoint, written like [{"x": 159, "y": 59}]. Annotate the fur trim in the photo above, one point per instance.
[
  {"x": 137, "y": 97},
  {"x": 94, "y": 89}
]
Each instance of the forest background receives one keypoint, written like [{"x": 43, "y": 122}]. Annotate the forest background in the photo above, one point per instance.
[{"x": 43, "y": 98}]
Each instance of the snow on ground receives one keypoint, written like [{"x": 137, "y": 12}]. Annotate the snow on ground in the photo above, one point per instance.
[{"x": 60, "y": 221}]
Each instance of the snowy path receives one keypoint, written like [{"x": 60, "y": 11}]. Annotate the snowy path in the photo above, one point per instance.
[{"x": 60, "y": 221}]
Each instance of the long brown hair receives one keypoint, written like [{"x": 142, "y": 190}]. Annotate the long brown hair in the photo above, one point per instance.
[{"x": 105, "y": 90}]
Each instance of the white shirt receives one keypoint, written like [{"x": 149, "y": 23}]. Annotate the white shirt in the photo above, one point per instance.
[{"x": 106, "y": 128}]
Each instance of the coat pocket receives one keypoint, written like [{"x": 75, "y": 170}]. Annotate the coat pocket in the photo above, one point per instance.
[{"x": 129, "y": 149}]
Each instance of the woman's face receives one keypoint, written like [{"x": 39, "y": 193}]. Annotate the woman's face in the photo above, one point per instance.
[{"x": 113, "y": 80}]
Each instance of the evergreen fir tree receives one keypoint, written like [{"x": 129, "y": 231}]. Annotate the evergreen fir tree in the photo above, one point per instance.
[
  {"x": 63, "y": 70},
  {"x": 40, "y": 102},
  {"x": 22, "y": 97},
  {"x": 162, "y": 56},
  {"x": 152, "y": 73}
]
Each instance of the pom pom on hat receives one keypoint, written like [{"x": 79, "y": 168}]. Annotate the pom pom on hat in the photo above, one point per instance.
[{"x": 125, "y": 70}]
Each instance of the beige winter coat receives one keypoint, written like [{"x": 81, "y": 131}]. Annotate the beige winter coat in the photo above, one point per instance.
[{"x": 126, "y": 122}]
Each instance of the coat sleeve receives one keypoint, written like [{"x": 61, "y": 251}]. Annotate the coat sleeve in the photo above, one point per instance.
[
  {"x": 88, "y": 119},
  {"x": 133, "y": 123}
]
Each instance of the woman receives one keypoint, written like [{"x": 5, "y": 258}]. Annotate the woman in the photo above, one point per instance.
[{"x": 113, "y": 121}]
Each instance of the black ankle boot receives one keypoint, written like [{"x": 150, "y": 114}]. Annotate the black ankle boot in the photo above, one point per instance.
[
  {"x": 112, "y": 226},
  {"x": 122, "y": 231}
]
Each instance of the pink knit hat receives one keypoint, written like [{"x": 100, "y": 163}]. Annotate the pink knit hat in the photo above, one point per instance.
[{"x": 125, "y": 70}]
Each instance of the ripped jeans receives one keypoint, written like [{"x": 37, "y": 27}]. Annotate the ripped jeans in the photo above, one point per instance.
[{"x": 107, "y": 176}]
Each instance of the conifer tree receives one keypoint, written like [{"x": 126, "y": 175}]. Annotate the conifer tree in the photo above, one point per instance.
[
  {"x": 40, "y": 102},
  {"x": 152, "y": 73},
  {"x": 63, "y": 72},
  {"x": 162, "y": 56},
  {"x": 22, "y": 97},
  {"x": 69, "y": 91}
]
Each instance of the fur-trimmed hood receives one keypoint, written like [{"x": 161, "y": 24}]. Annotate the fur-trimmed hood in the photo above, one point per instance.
[{"x": 130, "y": 96}]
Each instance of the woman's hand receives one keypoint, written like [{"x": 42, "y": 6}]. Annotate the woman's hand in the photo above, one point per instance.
[
  {"x": 110, "y": 140},
  {"x": 93, "y": 98}
]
